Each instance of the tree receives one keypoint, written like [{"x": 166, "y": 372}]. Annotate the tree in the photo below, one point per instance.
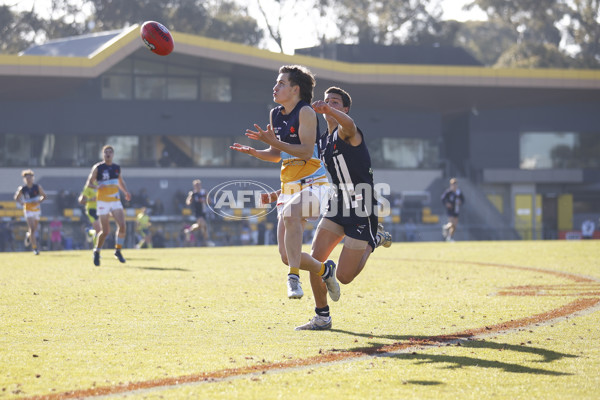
[
  {"x": 533, "y": 55},
  {"x": 584, "y": 31},
  {"x": 21, "y": 29},
  {"x": 14, "y": 29},
  {"x": 546, "y": 26},
  {"x": 485, "y": 40},
  {"x": 221, "y": 19},
  {"x": 276, "y": 13},
  {"x": 383, "y": 21}
]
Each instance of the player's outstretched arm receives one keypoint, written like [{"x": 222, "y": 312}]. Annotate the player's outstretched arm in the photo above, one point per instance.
[
  {"x": 271, "y": 154},
  {"x": 346, "y": 127}
]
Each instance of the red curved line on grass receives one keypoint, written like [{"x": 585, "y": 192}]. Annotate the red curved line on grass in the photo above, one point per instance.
[{"x": 564, "y": 311}]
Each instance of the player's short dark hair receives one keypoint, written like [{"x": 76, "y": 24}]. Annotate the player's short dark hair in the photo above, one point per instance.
[
  {"x": 299, "y": 75},
  {"x": 346, "y": 99}
]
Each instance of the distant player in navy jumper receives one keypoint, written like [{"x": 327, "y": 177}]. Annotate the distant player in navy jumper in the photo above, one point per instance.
[
  {"x": 196, "y": 199},
  {"x": 30, "y": 196},
  {"x": 452, "y": 199},
  {"x": 351, "y": 214},
  {"x": 292, "y": 139}
]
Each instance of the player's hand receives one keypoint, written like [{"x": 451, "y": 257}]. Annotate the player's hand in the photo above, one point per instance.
[
  {"x": 243, "y": 148},
  {"x": 266, "y": 136},
  {"x": 81, "y": 199},
  {"x": 127, "y": 196},
  {"x": 321, "y": 107}
]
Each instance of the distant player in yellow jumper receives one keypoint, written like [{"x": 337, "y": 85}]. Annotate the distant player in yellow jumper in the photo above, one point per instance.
[
  {"x": 88, "y": 198},
  {"x": 142, "y": 227},
  {"x": 106, "y": 176},
  {"x": 30, "y": 196}
]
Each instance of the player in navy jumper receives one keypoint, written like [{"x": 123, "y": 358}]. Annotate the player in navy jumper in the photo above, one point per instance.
[
  {"x": 351, "y": 214},
  {"x": 452, "y": 199}
]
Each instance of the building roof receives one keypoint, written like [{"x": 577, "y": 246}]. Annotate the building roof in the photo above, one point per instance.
[
  {"x": 75, "y": 46},
  {"x": 70, "y": 62},
  {"x": 90, "y": 56},
  {"x": 394, "y": 54}
]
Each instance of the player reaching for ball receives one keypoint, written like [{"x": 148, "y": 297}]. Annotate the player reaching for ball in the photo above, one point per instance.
[
  {"x": 352, "y": 209},
  {"x": 292, "y": 139},
  {"x": 106, "y": 176}
]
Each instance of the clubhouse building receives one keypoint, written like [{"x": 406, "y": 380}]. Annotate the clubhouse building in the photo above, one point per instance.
[{"x": 524, "y": 143}]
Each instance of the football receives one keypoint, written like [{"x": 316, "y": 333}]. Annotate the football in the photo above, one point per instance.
[{"x": 157, "y": 38}]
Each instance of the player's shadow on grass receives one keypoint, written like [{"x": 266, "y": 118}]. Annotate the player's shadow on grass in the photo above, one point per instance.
[
  {"x": 163, "y": 269},
  {"x": 546, "y": 356},
  {"x": 59, "y": 253},
  {"x": 150, "y": 268},
  {"x": 457, "y": 362}
]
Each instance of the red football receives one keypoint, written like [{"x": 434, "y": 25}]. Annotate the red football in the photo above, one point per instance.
[{"x": 157, "y": 38}]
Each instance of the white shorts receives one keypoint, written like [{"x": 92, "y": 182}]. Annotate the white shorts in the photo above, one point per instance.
[
  {"x": 321, "y": 193},
  {"x": 32, "y": 214},
  {"x": 105, "y": 207}
]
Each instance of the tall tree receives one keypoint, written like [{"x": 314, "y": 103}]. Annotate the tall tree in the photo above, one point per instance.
[
  {"x": 15, "y": 29},
  {"x": 221, "y": 19},
  {"x": 485, "y": 40},
  {"x": 584, "y": 31},
  {"x": 277, "y": 13},
  {"x": 383, "y": 21},
  {"x": 546, "y": 26}
]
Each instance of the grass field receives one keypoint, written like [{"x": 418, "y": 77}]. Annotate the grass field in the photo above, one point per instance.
[{"x": 468, "y": 320}]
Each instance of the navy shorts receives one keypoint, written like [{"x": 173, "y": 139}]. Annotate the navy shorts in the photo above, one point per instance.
[{"x": 357, "y": 226}]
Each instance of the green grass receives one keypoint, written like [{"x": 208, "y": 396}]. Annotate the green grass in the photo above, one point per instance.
[{"x": 67, "y": 325}]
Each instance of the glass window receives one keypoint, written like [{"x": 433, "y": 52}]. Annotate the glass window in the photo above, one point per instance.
[
  {"x": 541, "y": 150},
  {"x": 212, "y": 151},
  {"x": 126, "y": 149},
  {"x": 124, "y": 67},
  {"x": 403, "y": 153},
  {"x": 150, "y": 88},
  {"x": 117, "y": 87},
  {"x": 182, "y": 88},
  {"x": 215, "y": 88},
  {"x": 174, "y": 70},
  {"x": 244, "y": 160},
  {"x": 16, "y": 150},
  {"x": 60, "y": 150},
  {"x": 143, "y": 67}
]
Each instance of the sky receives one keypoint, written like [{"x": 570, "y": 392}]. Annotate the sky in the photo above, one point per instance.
[{"x": 293, "y": 29}]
